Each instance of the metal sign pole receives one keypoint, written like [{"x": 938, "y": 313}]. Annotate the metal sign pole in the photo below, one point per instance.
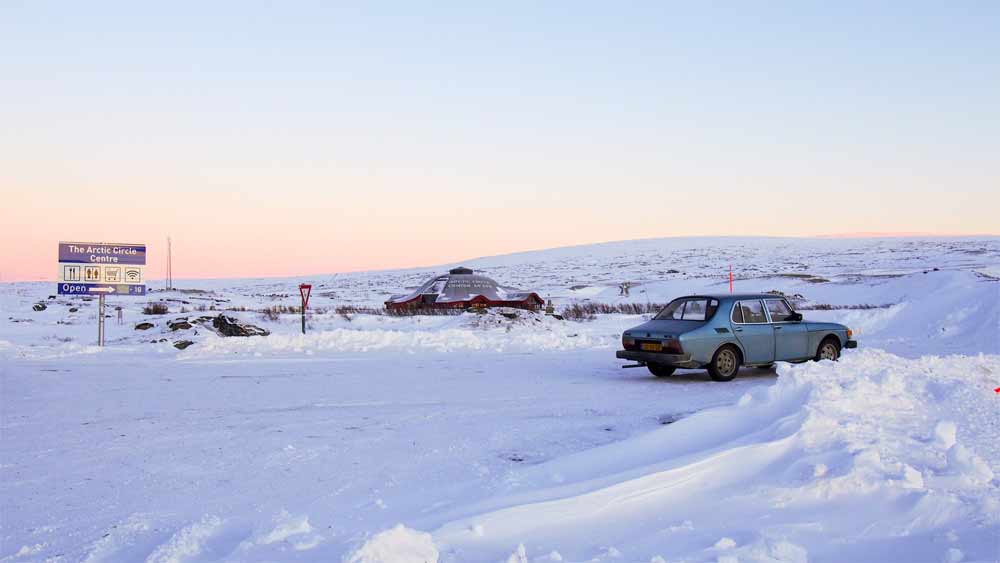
[{"x": 100, "y": 320}]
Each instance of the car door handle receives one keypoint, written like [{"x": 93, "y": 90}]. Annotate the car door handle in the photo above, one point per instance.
[
  {"x": 738, "y": 329},
  {"x": 777, "y": 328}
]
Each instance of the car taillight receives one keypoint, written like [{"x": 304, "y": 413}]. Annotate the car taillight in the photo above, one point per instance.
[
  {"x": 850, "y": 333},
  {"x": 628, "y": 342},
  {"x": 672, "y": 346}
]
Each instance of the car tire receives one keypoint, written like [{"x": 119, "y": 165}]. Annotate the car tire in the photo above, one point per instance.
[
  {"x": 661, "y": 370},
  {"x": 725, "y": 363},
  {"x": 829, "y": 349}
]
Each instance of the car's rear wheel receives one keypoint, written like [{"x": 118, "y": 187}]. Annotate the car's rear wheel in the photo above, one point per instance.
[
  {"x": 829, "y": 349},
  {"x": 661, "y": 370},
  {"x": 725, "y": 364}
]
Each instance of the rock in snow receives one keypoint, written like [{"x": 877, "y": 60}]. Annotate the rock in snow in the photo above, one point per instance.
[
  {"x": 228, "y": 326},
  {"x": 179, "y": 324}
]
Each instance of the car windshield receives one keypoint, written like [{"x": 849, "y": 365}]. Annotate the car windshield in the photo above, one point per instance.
[{"x": 689, "y": 309}]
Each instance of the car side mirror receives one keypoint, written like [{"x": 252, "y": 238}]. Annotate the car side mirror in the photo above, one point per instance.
[{"x": 795, "y": 317}]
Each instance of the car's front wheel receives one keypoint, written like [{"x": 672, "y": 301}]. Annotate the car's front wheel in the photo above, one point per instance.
[
  {"x": 660, "y": 370},
  {"x": 725, "y": 364},
  {"x": 829, "y": 349}
]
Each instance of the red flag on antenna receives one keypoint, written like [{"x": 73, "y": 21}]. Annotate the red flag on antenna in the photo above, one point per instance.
[{"x": 730, "y": 278}]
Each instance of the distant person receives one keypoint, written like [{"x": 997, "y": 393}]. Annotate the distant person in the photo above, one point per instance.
[{"x": 121, "y": 315}]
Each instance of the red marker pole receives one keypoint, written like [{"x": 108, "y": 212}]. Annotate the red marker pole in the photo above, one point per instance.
[
  {"x": 730, "y": 278},
  {"x": 304, "y": 290}
]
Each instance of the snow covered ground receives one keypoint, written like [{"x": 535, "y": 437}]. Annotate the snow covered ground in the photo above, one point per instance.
[{"x": 486, "y": 438}]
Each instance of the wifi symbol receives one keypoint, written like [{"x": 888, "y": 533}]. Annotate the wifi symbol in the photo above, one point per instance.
[{"x": 132, "y": 275}]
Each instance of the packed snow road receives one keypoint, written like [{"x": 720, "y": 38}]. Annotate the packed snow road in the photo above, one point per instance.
[{"x": 106, "y": 459}]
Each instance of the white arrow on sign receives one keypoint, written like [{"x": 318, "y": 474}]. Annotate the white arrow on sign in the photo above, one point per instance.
[{"x": 101, "y": 289}]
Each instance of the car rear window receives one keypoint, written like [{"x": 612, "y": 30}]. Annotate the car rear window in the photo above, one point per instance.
[{"x": 698, "y": 309}]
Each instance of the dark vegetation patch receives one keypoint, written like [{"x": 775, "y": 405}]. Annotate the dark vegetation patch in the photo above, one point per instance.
[
  {"x": 588, "y": 310},
  {"x": 155, "y": 309},
  {"x": 856, "y": 307},
  {"x": 420, "y": 312},
  {"x": 808, "y": 278}
]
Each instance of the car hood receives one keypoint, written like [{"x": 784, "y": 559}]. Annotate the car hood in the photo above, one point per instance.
[
  {"x": 824, "y": 326},
  {"x": 662, "y": 329}
]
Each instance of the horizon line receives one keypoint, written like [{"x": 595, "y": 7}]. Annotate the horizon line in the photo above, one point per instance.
[{"x": 855, "y": 235}]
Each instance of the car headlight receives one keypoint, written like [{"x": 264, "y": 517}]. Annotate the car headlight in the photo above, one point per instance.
[{"x": 850, "y": 333}]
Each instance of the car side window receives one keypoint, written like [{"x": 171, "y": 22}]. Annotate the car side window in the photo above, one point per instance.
[
  {"x": 713, "y": 306},
  {"x": 737, "y": 314},
  {"x": 779, "y": 310},
  {"x": 752, "y": 312}
]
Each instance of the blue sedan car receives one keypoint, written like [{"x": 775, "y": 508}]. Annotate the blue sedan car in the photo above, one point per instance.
[{"x": 723, "y": 332}]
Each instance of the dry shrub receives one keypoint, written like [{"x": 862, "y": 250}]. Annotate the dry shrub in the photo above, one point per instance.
[
  {"x": 588, "y": 310},
  {"x": 155, "y": 309}
]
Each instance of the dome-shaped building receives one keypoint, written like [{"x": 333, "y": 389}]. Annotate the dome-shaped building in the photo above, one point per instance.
[{"x": 461, "y": 288}]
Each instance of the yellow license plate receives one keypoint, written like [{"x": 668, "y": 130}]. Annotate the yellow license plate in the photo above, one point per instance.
[{"x": 651, "y": 347}]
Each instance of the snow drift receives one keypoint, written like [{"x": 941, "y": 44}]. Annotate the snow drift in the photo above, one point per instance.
[{"x": 873, "y": 458}]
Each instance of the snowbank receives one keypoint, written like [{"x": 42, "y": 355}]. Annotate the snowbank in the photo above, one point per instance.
[
  {"x": 835, "y": 461},
  {"x": 411, "y": 341},
  {"x": 397, "y": 545}
]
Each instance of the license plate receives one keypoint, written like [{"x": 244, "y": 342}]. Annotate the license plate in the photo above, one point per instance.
[{"x": 651, "y": 347}]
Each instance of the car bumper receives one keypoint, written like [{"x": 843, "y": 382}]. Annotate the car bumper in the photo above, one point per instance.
[
  {"x": 851, "y": 344},
  {"x": 676, "y": 360}
]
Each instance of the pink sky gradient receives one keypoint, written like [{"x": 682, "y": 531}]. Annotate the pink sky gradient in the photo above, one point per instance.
[
  {"x": 320, "y": 139},
  {"x": 262, "y": 222}
]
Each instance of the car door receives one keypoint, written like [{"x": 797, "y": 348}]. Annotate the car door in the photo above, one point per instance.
[
  {"x": 754, "y": 331},
  {"x": 791, "y": 338}
]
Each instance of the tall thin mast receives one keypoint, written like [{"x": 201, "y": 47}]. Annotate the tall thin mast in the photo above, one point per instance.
[{"x": 170, "y": 266}]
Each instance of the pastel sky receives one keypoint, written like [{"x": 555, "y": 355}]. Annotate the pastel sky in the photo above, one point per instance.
[{"x": 284, "y": 138}]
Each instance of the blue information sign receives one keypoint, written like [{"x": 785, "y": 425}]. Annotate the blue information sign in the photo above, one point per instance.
[
  {"x": 89, "y": 268},
  {"x": 66, "y": 288},
  {"x": 102, "y": 253}
]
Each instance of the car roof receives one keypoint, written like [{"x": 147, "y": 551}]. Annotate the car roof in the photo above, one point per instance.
[{"x": 736, "y": 296}]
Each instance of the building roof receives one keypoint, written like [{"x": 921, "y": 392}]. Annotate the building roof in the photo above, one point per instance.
[{"x": 460, "y": 285}]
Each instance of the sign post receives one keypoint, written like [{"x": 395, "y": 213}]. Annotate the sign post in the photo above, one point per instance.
[
  {"x": 86, "y": 268},
  {"x": 304, "y": 290}
]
